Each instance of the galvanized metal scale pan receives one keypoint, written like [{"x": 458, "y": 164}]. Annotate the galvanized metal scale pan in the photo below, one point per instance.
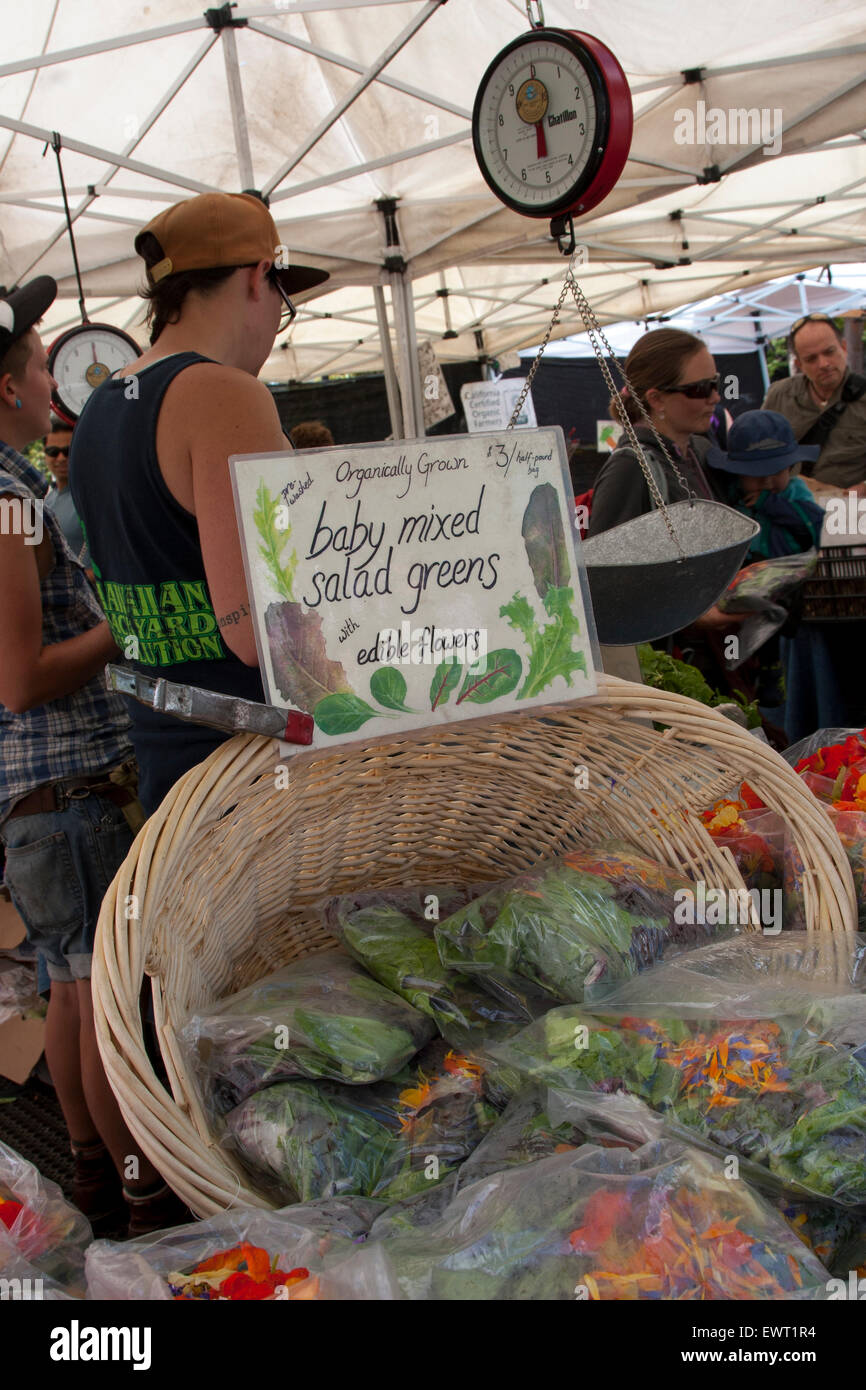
[{"x": 645, "y": 584}]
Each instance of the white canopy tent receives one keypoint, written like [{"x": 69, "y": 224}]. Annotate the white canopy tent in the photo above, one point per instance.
[
  {"x": 742, "y": 321},
  {"x": 355, "y": 120}
]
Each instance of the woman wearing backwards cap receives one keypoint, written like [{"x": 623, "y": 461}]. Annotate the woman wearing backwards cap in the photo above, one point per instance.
[{"x": 149, "y": 464}]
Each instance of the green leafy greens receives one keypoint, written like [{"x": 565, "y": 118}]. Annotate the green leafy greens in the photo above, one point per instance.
[
  {"x": 274, "y": 543},
  {"x": 550, "y": 647}
]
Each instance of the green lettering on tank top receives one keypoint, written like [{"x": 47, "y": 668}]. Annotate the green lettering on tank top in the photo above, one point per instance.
[
  {"x": 170, "y": 600},
  {"x": 173, "y": 621}
]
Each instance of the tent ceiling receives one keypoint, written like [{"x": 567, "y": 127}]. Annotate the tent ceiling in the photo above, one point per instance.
[{"x": 329, "y": 106}]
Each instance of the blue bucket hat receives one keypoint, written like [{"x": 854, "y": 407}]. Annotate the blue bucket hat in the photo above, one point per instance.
[{"x": 760, "y": 443}]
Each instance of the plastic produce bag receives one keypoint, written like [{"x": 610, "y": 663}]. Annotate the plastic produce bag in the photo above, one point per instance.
[
  {"x": 317, "y": 1139},
  {"x": 786, "y": 1094},
  {"x": 746, "y": 977},
  {"x": 391, "y": 935},
  {"x": 821, "y": 738},
  {"x": 18, "y": 993},
  {"x": 764, "y": 590},
  {"x": 755, "y": 838},
  {"x": 319, "y": 1017},
  {"x": 40, "y": 1228},
  {"x": 559, "y": 929},
  {"x": 660, "y": 1221},
  {"x": 242, "y": 1254}
]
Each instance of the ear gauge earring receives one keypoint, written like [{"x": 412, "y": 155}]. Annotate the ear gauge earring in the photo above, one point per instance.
[{"x": 17, "y": 403}]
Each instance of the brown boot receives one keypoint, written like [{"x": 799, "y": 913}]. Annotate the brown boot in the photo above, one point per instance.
[
  {"x": 155, "y": 1210},
  {"x": 96, "y": 1187}
]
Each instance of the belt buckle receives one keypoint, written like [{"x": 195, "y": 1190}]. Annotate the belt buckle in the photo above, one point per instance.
[{"x": 76, "y": 793}]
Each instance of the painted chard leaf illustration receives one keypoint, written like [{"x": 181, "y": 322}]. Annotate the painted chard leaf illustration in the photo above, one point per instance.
[
  {"x": 544, "y": 538},
  {"x": 445, "y": 677},
  {"x": 388, "y": 687},
  {"x": 274, "y": 541},
  {"x": 498, "y": 675}
]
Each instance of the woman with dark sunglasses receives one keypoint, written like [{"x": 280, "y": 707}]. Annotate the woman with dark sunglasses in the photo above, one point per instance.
[{"x": 673, "y": 377}]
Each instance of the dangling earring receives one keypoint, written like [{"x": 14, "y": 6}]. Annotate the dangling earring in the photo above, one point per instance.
[{"x": 17, "y": 403}]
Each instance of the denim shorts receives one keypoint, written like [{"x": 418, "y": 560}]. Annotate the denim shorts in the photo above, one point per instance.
[{"x": 59, "y": 865}]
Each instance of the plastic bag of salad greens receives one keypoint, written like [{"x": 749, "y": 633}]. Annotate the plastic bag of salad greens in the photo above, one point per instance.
[
  {"x": 240, "y": 1254},
  {"x": 786, "y": 1094},
  {"x": 573, "y": 921},
  {"x": 318, "y": 1017},
  {"x": 40, "y": 1228},
  {"x": 391, "y": 934},
  {"x": 658, "y": 1221},
  {"x": 311, "y": 1139},
  {"x": 746, "y": 976}
]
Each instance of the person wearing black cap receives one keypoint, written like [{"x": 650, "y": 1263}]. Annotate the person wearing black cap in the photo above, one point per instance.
[
  {"x": 149, "y": 463},
  {"x": 66, "y": 774}
]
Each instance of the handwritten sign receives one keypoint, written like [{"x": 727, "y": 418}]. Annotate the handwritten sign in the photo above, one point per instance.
[
  {"x": 489, "y": 405},
  {"x": 401, "y": 585}
]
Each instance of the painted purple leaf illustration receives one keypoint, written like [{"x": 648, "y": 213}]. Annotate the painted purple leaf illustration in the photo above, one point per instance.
[
  {"x": 544, "y": 538},
  {"x": 302, "y": 670}
]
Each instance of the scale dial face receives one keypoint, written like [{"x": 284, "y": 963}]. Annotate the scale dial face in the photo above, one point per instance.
[
  {"x": 82, "y": 359},
  {"x": 542, "y": 124}
]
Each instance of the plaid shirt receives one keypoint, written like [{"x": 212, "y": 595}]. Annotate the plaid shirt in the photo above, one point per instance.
[{"x": 74, "y": 735}]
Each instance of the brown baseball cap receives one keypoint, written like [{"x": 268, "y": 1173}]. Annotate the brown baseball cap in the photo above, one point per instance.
[{"x": 222, "y": 229}]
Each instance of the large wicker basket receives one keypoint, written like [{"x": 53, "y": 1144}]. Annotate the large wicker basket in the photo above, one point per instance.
[{"x": 221, "y": 885}]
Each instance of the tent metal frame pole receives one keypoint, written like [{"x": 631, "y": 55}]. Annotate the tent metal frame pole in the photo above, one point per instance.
[
  {"x": 392, "y": 386},
  {"x": 394, "y": 47},
  {"x": 411, "y": 428},
  {"x": 414, "y": 373},
  {"x": 68, "y": 55},
  {"x": 238, "y": 109},
  {"x": 383, "y": 162},
  {"x": 109, "y": 157},
  {"x": 341, "y": 61},
  {"x": 146, "y": 125}
]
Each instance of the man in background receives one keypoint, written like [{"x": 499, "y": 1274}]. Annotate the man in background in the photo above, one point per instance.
[
  {"x": 59, "y": 499},
  {"x": 826, "y": 405}
]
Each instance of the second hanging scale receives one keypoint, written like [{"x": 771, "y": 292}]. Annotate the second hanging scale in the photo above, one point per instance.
[{"x": 551, "y": 129}]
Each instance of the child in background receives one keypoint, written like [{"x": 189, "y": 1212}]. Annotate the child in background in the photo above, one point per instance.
[{"x": 761, "y": 452}]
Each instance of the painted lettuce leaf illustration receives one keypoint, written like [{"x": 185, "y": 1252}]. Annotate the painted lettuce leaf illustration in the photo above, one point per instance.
[
  {"x": 303, "y": 673},
  {"x": 544, "y": 538},
  {"x": 274, "y": 541},
  {"x": 550, "y": 650}
]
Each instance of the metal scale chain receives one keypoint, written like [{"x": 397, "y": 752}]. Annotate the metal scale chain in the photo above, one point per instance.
[{"x": 598, "y": 340}]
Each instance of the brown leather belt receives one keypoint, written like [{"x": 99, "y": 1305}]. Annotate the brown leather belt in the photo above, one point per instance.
[{"x": 57, "y": 795}]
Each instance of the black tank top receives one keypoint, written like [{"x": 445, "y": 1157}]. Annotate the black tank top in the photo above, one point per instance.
[{"x": 149, "y": 570}]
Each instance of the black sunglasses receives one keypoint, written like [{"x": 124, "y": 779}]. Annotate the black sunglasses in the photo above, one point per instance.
[
  {"x": 54, "y": 453},
  {"x": 289, "y": 310},
  {"x": 696, "y": 390}
]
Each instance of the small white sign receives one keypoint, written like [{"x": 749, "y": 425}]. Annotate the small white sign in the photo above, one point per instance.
[
  {"x": 401, "y": 585},
  {"x": 438, "y": 405},
  {"x": 606, "y": 434},
  {"x": 489, "y": 405}
]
